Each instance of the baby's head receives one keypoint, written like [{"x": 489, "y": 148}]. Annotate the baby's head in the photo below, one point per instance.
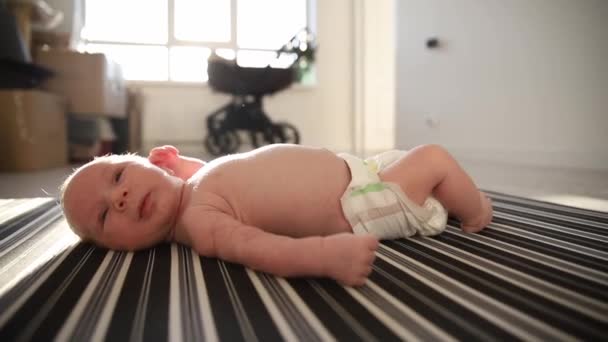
[{"x": 122, "y": 202}]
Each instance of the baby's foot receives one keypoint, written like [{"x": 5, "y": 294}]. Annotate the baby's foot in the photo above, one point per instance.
[{"x": 483, "y": 219}]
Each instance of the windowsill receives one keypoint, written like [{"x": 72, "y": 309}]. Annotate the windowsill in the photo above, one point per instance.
[{"x": 200, "y": 85}]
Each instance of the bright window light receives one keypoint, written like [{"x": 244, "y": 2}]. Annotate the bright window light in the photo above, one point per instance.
[
  {"x": 202, "y": 20},
  {"x": 136, "y": 34},
  {"x": 135, "y": 21},
  {"x": 284, "y": 61},
  {"x": 268, "y": 24},
  {"x": 262, "y": 59},
  {"x": 142, "y": 63},
  {"x": 189, "y": 63},
  {"x": 254, "y": 59},
  {"x": 226, "y": 53}
]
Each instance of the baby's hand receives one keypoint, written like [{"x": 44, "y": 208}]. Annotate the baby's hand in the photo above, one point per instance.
[
  {"x": 166, "y": 157},
  {"x": 349, "y": 257}
]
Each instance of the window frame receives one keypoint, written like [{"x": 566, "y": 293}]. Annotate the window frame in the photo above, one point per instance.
[{"x": 172, "y": 41}]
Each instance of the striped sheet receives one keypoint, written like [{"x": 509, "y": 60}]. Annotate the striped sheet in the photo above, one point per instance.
[{"x": 539, "y": 272}]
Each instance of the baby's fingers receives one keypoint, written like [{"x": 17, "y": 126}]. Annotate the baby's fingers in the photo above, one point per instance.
[
  {"x": 359, "y": 280},
  {"x": 370, "y": 258},
  {"x": 371, "y": 242},
  {"x": 367, "y": 271}
]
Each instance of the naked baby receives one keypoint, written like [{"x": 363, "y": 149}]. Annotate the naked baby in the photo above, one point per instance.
[{"x": 288, "y": 210}]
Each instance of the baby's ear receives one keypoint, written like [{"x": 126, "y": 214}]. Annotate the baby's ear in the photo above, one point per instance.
[
  {"x": 171, "y": 149},
  {"x": 168, "y": 170}
]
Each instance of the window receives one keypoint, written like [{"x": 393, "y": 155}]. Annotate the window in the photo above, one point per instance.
[{"x": 170, "y": 40}]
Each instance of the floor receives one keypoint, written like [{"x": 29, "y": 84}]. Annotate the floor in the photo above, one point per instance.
[{"x": 576, "y": 187}]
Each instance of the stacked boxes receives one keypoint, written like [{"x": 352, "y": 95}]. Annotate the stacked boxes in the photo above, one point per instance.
[
  {"x": 32, "y": 130},
  {"x": 85, "y": 87},
  {"x": 95, "y": 94},
  {"x": 90, "y": 83}
]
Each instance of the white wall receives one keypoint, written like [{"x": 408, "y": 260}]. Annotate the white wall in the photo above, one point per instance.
[
  {"x": 374, "y": 76},
  {"x": 322, "y": 113},
  {"x": 521, "y": 81}
]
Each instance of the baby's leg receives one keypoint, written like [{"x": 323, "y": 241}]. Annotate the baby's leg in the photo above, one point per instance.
[{"x": 430, "y": 170}]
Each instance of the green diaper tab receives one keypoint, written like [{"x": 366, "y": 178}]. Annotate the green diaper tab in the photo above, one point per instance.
[{"x": 374, "y": 187}]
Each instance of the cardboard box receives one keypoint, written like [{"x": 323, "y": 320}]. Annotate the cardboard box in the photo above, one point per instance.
[
  {"x": 91, "y": 83},
  {"x": 32, "y": 130}
]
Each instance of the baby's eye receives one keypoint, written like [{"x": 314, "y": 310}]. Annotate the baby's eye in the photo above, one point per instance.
[
  {"x": 103, "y": 215},
  {"x": 117, "y": 176}
]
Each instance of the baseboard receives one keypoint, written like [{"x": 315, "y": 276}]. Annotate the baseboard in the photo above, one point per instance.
[
  {"x": 192, "y": 148},
  {"x": 588, "y": 159}
]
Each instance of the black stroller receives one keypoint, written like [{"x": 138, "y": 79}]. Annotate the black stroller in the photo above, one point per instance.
[{"x": 245, "y": 110}]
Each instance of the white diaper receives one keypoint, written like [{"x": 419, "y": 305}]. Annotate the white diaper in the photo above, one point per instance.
[{"x": 382, "y": 208}]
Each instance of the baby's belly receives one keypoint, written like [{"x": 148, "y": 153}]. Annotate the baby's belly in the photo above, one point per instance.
[
  {"x": 299, "y": 218},
  {"x": 295, "y": 192}
]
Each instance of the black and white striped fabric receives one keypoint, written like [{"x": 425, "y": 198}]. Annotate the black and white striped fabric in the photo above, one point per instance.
[{"x": 539, "y": 272}]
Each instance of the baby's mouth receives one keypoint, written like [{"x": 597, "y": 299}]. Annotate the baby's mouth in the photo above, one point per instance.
[{"x": 143, "y": 206}]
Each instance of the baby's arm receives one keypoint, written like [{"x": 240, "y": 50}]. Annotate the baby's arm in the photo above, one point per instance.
[
  {"x": 346, "y": 257},
  {"x": 168, "y": 158}
]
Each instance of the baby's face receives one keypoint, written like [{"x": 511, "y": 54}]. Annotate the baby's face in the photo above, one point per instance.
[{"x": 123, "y": 204}]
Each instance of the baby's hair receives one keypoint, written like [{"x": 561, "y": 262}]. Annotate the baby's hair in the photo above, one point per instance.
[{"x": 113, "y": 158}]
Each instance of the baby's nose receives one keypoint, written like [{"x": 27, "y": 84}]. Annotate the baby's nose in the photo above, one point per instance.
[{"x": 120, "y": 199}]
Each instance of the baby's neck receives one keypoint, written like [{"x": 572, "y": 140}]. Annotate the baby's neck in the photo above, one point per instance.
[{"x": 184, "y": 198}]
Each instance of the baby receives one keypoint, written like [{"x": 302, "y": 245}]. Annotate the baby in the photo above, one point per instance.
[{"x": 284, "y": 209}]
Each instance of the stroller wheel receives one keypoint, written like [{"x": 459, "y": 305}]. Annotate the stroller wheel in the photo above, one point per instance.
[
  {"x": 258, "y": 138},
  {"x": 286, "y": 133},
  {"x": 271, "y": 134},
  {"x": 219, "y": 144}
]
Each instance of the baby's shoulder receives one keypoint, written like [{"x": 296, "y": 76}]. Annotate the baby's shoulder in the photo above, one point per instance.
[
  {"x": 206, "y": 201},
  {"x": 214, "y": 172},
  {"x": 202, "y": 211}
]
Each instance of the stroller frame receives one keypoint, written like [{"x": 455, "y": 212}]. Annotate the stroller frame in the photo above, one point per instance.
[{"x": 245, "y": 111}]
